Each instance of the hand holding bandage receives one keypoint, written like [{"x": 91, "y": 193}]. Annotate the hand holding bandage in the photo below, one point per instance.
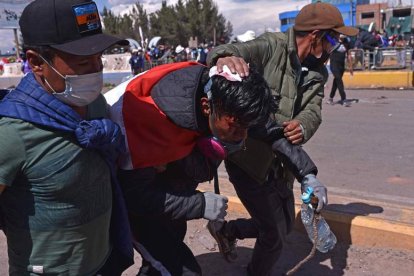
[{"x": 225, "y": 73}]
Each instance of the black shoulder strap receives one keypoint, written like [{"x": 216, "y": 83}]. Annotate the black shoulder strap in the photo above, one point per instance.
[{"x": 216, "y": 182}]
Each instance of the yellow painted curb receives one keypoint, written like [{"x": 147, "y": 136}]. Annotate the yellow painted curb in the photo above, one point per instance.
[
  {"x": 388, "y": 231},
  {"x": 367, "y": 231},
  {"x": 358, "y": 230},
  {"x": 379, "y": 79}
]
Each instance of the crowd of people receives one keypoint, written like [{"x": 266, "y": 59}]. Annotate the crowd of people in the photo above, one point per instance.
[
  {"x": 86, "y": 178},
  {"x": 162, "y": 54},
  {"x": 374, "y": 42},
  {"x": 179, "y": 53},
  {"x": 377, "y": 41},
  {"x": 368, "y": 40},
  {"x": 24, "y": 67}
]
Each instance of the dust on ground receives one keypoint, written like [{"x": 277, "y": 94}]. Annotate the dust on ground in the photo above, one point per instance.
[{"x": 343, "y": 260}]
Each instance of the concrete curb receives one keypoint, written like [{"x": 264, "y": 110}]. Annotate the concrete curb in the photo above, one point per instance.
[
  {"x": 379, "y": 79},
  {"x": 356, "y": 220}
]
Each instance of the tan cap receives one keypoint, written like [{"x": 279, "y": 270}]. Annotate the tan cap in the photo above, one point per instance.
[{"x": 322, "y": 16}]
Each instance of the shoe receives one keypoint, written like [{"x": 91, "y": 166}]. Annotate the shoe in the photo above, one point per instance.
[
  {"x": 330, "y": 101},
  {"x": 226, "y": 246},
  {"x": 345, "y": 103}
]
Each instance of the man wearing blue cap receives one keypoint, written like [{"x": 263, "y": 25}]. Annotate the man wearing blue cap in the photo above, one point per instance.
[{"x": 62, "y": 213}]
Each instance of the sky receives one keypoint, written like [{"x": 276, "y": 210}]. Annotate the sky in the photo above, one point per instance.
[{"x": 256, "y": 15}]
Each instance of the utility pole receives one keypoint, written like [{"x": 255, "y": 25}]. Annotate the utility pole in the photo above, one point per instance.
[
  {"x": 214, "y": 36},
  {"x": 16, "y": 40}
]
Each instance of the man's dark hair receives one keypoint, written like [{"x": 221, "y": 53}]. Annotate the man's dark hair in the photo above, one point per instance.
[
  {"x": 249, "y": 101},
  {"x": 45, "y": 51}
]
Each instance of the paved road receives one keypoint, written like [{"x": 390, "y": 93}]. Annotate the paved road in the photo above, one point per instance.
[
  {"x": 345, "y": 259},
  {"x": 369, "y": 147},
  {"x": 367, "y": 150}
]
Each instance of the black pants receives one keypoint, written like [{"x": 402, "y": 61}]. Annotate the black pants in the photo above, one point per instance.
[
  {"x": 338, "y": 72},
  {"x": 271, "y": 207},
  {"x": 115, "y": 264},
  {"x": 164, "y": 240}
]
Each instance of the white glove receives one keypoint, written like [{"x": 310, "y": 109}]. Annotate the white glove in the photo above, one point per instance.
[{"x": 215, "y": 207}]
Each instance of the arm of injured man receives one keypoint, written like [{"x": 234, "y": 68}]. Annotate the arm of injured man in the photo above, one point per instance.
[
  {"x": 292, "y": 156},
  {"x": 146, "y": 197}
]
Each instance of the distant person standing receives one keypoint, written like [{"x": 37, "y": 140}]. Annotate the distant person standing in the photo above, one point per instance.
[
  {"x": 181, "y": 54},
  {"x": 25, "y": 65},
  {"x": 201, "y": 55},
  {"x": 337, "y": 65},
  {"x": 366, "y": 41},
  {"x": 137, "y": 62},
  {"x": 384, "y": 39},
  {"x": 400, "y": 44}
]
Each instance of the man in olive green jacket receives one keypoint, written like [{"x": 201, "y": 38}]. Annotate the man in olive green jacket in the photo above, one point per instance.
[{"x": 293, "y": 64}]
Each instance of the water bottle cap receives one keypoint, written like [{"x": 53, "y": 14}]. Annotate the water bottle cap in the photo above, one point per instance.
[{"x": 306, "y": 196}]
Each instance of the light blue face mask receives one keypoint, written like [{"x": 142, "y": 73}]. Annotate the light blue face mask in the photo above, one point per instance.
[
  {"x": 80, "y": 90},
  {"x": 231, "y": 147}
]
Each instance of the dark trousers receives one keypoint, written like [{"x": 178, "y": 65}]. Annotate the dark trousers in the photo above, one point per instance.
[
  {"x": 164, "y": 240},
  {"x": 271, "y": 207},
  {"x": 115, "y": 264},
  {"x": 338, "y": 72}
]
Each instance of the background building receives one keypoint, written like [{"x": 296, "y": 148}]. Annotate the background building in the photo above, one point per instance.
[
  {"x": 396, "y": 17},
  {"x": 366, "y": 14},
  {"x": 337, "y": 2},
  {"x": 399, "y": 20},
  {"x": 346, "y": 7},
  {"x": 287, "y": 19}
]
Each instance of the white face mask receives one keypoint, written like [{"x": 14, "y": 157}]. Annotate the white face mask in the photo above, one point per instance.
[{"x": 80, "y": 90}]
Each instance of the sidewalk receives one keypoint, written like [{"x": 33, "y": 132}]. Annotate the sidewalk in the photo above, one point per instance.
[{"x": 358, "y": 219}]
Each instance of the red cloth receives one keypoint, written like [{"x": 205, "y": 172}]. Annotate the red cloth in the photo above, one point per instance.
[{"x": 152, "y": 138}]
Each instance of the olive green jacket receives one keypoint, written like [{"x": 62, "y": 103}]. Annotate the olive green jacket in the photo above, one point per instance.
[{"x": 300, "y": 90}]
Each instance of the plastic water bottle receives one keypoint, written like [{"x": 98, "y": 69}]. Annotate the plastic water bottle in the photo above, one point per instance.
[{"x": 326, "y": 239}]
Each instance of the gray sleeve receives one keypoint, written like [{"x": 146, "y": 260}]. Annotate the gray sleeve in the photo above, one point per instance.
[
  {"x": 144, "y": 197},
  {"x": 294, "y": 158}
]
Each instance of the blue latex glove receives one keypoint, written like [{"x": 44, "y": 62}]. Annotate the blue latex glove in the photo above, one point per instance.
[{"x": 319, "y": 190}]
